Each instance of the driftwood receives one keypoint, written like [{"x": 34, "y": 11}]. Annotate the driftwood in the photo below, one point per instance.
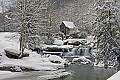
[{"x": 15, "y": 55}]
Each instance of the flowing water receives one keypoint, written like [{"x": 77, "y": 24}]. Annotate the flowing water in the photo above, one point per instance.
[{"x": 78, "y": 72}]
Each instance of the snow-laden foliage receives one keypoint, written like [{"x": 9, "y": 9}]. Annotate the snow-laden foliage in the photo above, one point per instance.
[
  {"x": 25, "y": 17},
  {"x": 30, "y": 16},
  {"x": 49, "y": 41},
  {"x": 34, "y": 61},
  {"x": 107, "y": 31},
  {"x": 76, "y": 11}
]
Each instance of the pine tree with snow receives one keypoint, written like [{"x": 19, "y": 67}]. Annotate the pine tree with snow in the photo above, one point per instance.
[{"x": 107, "y": 32}]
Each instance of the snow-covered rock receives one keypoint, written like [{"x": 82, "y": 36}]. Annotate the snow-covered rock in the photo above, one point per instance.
[
  {"x": 99, "y": 65},
  {"x": 54, "y": 58},
  {"x": 34, "y": 61},
  {"x": 55, "y": 75},
  {"x": 81, "y": 60},
  {"x": 14, "y": 52},
  {"x": 58, "y": 42},
  {"x": 75, "y": 40}
]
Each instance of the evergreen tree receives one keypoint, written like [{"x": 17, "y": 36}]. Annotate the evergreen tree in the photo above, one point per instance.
[{"x": 107, "y": 32}]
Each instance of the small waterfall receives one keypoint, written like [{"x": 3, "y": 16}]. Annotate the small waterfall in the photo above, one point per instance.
[{"x": 74, "y": 51}]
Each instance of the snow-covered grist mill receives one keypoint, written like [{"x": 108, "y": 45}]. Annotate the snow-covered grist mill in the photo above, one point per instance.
[{"x": 59, "y": 39}]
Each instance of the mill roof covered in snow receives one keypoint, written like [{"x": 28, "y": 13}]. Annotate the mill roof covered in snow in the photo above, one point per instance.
[
  {"x": 109, "y": 1},
  {"x": 69, "y": 24}
]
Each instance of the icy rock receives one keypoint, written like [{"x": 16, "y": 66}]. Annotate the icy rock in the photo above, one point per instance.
[
  {"x": 81, "y": 60},
  {"x": 56, "y": 59}
]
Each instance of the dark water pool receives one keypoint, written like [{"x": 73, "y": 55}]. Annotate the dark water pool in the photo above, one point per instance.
[{"x": 86, "y": 72}]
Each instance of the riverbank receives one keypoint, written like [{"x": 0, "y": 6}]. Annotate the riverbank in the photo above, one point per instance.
[
  {"x": 116, "y": 76},
  {"x": 74, "y": 72},
  {"x": 87, "y": 72},
  {"x": 34, "y": 62}
]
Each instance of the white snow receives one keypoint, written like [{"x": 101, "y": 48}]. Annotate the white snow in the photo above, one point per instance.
[
  {"x": 109, "y": 0},
  {"x": 69, "y": 24},
  {"x": 35, "y": 61},
  {"x": 74, "y": 40},
  {"x": 7, "y": 17},
  {"x": 8, "y": 40},
  {"x": 8, "y": 74},
  {"x": 58, "y": 42},
  {"x": 13, "y": 49},
  {"x": 54, "y": 75},
  {"x": 90, "y": 39},
  {"x": 56, "y": 58},
  {"x": 116, "y": 76},
  {"x": 58, "y": 46},
  {"x": 4, "y": 72},
  {"x": 83, "y": 59},
  {"x": 100, "y": 65}
]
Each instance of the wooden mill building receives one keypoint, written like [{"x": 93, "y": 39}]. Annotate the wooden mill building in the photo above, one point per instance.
[{"x": 67, "y": 27}]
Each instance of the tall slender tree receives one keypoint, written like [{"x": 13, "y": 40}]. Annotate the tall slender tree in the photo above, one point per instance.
[
  {"x": 27, "y": 15},
  {"x": 33, "y": 17}
]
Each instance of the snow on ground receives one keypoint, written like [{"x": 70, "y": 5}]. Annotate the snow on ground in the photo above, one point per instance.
[
  {"x": 56, "y": 58},
  {"x": 116, "y": 76},
  {"x": 54, "y": 75},
  {"x": 100, "y": 65},
  {"x": 8, "y": 40},
  {"x": 4, "y": 72},
  {"x": 58, "y": 46},
  {"x": 39, "y": 75},
  {"x": 90, "y": 38},
  {"x": 58, "y": 42},
  {"x": 74, "y": 40},
  {"x": 8, "y": 74},
  {"x": 36, "y": 61}
]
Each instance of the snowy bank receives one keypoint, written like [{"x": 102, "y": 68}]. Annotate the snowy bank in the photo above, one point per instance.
[
  {"x": 17, "y": 67},
  {"x": 55, "y": 58},
  {"x": 8, "y": 74},
  {"x": 55, "y": 75},
  {"x": 34, "y": 61},
  {"x": 41, "y": 75},
  {"x": 81, "y": 60},
  {"x": 116, "y": 76}
]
